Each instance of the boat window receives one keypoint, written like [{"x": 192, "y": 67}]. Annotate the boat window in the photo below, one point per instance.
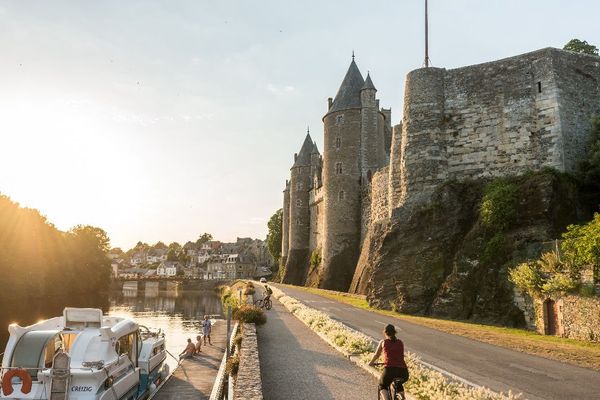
[
  {"x": 53, "y": 346},
  {"x": 32, "y": 350},
  {"x": 67, "y": 340},
  {"x": 126, "y": 345}
]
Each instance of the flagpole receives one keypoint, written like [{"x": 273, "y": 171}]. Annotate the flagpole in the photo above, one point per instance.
[{"x": 426, "y": 35}]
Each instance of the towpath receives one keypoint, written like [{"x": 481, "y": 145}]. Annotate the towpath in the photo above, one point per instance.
[
  {"x": 497, "y": 368},
  {"x": 194, "y": 377},
  {"x": 296, "y": 364}
]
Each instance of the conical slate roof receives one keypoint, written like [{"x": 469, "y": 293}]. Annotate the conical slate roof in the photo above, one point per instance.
[
  {"x": 315, "y": 149},
  {"x": 368, "y": 83},
  {"x": 303, "y": 158},
  {"x": 348, "y": 96}
]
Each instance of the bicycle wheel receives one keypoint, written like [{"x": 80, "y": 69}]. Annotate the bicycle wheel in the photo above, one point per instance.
[
  {"x": 259, "y": 303},
  {"x": 268, "y": 304}
]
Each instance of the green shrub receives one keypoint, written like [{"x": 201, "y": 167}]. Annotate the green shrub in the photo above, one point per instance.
[
  {"x": 249, "y": 291},
  {"x": 581, "y": 244},
  {"x": 498, "y": 209},
  {"x": 527, "y": 277},
  {"x": 250, "y": 314},
  {"x": 315, "y": 258},
  {"x": 558, "y": 283},
  {"x": 495, "y": 250},
  {"x": 237, "y": 340},
  {"x": 587, "y": 290},
  {"x": 233, "y": 365}
]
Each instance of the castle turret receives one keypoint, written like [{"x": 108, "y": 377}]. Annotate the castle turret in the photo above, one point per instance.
[
  {"x": 299, "y": 215},
  {"x": 285, "y": 229},
  {"x": 372, "y": 131},
  {"x": 341, "y": 183}
]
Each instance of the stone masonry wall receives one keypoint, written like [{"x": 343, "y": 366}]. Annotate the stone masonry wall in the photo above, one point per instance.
[
  {"x": 581, "y": 318},
  {"x": 380, "y": 209},
  {"x": 248, "y": 385},
  {"x": 496, "y": 119}
]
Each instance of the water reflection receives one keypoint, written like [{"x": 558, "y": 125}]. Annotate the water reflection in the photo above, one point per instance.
[{"x": 177, "y": 312}]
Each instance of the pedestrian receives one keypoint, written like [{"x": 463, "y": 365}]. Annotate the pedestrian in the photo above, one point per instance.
[
  {"x": 198, "y": 344},
  {"x": 189, "y": 351},
  {"x": 206, "y": 328}
]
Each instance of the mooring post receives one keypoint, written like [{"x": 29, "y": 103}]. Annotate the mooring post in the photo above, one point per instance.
[{"x": 228, "y": 331}]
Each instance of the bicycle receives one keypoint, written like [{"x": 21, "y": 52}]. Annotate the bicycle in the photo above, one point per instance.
[
  {"x": 264, "y": 303},
  {"x": 394, "y": 392}
]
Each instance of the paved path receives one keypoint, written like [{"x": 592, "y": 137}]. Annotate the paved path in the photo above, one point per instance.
[
  {"x": 495, "y": 367},
  {"x": 296, "y": 364},
  {"x": 194, "y": 377}
]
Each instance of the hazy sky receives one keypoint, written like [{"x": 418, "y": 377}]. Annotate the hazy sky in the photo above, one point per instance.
[{"x": 160, "y": 120}]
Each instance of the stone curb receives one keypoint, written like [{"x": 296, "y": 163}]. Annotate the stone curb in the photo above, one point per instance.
[{"x": 248, "y": 384}]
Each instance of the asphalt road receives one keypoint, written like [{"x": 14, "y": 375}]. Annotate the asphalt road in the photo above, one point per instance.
[
  {"x": 296, "y": 364},
  {"x": 497, "y": 368}
]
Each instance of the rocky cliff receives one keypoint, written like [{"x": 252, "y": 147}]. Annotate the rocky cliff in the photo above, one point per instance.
[{"x": 449, "y": 257}]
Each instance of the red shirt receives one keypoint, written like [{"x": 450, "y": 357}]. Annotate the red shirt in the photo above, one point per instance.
[{"x": 393, "y": 353}]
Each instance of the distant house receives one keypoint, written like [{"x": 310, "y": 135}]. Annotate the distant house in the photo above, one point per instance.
[
  {"x": 230, "y": 266},
  {"x": 169, "y": 268},
  {"x": 203, "y": 256},
  {"x": 114, "y": 269},
  {"x": 138, "y": 258},
  {"x": 156, "y": 255}
]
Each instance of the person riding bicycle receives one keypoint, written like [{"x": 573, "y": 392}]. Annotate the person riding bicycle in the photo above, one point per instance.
[
  {"x": 394, "y": 366},
  {"x": 268, "y": 293}
]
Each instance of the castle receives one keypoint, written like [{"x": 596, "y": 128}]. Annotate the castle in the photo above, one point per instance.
[{"x": 495, "y": 119}]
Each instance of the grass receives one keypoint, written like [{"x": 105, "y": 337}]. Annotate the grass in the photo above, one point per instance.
[{"x": 576, "y": 352}]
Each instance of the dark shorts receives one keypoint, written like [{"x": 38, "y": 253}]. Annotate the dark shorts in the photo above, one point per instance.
[{"x": 389, "y": 374}]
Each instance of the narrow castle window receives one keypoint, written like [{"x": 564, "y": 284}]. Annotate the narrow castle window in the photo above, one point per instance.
[
  {"x": 338, "y": 143},
  {"x": 539, "y": 85},
  {"x": 299, "y": 186},
  {"x": 298, "y": 221},
  {"x": 339, "y": 119},
  {"x": 338, "y": 168},
  {"x": 341, "y": 195}
]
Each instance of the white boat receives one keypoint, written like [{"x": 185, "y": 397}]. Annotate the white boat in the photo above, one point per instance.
[{"x": 82, "y": 355}]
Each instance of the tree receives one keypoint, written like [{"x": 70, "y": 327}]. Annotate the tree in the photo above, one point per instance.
[
  {"x": 274, "y": 237},
  {"x": 205, "y": 237},
  {"x": 580, "y": 46},
  {"x": 160, "y": 246}
]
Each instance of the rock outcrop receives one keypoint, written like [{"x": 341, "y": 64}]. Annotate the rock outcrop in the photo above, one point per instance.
[{"x": 440, "y": 258}]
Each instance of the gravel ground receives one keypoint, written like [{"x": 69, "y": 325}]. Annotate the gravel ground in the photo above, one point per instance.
[{"x": 295, "y": 363}]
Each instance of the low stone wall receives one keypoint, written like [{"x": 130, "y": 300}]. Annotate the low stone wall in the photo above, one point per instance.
[
  {"x": 581, "y": 318},
  {"x": 576, "y": 317},
  {"x": 248, "y": 385}
]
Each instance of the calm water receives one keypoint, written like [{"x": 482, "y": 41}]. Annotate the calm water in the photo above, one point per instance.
[{"x": 177, "y": 312}]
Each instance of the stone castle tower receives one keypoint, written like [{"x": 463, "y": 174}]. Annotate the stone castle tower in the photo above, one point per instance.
[{"x": 323, "y": 205}]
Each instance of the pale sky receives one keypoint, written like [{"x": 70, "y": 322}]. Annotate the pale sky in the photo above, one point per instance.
[{"x": 160, "y": 120}]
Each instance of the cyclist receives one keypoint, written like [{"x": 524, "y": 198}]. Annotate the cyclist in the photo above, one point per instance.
[
  {"x": 267, "y": 294},
  {"x": 394, "y": 366}
]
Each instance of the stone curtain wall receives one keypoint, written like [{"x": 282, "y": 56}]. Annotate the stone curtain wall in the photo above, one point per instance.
[
  {"x": 380, "y": 209},
  {"x": 248, "y": 385},
  {"x": 496, "y": 119},
  {"x": 579, "y": 91}
]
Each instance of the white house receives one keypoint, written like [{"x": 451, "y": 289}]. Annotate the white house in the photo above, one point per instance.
[{"x": 169, "y": 268}]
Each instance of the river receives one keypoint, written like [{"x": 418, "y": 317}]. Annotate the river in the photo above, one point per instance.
[{"x": 177, "y": 312}]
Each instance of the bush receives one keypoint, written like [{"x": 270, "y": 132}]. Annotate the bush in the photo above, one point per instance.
[
  {"x": 526, "y": 277},
  {"x": 547, "y": 275},
  {"x": 249, "y": 291},
  {"x": 237, "y": 340},
  {"x": 250, "y": 314},
  {"x": 498, "y": 209},
  {"x": 587, "y": 290},
  {"x": 581, "y": 244},
  {"x": 315, "y": 258},
  {"x": 233, "y": 365},
  {"x": 558, "y": 283}
]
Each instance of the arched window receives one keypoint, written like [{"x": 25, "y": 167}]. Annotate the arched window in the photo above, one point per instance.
[
  {"x": 339, "y": 119},
  {"x": 338, "y": 168},
  {"x": 299, "y": 186},
  {"x": 341, "y": 195},
  {"x": 298, "y": 221},
  {"x": 299, "y": 202},
  {"x": 338, "y": 142}
]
